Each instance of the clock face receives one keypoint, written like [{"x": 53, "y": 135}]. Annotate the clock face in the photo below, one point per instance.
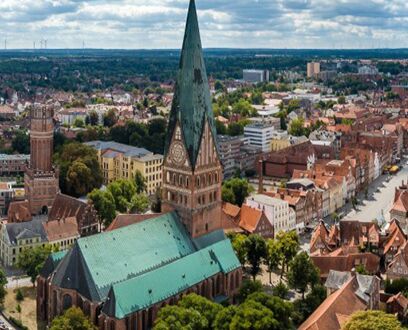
[{"x": 177, "y": 153}]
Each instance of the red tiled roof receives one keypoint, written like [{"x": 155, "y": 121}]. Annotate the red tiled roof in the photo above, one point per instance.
[
  {"x": 249, "y": 218},
  {"x": 124, "y": 220},
  {"x": 19, "y": 212},
  {"x": 231, "y": 209},
  {"x": 335, "y": 309},
  {"x": 63, "y": 229},
  {"x": 400, "y": 299}
]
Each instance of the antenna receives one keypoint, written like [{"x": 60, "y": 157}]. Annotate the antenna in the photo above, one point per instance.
[
  {"x": 45, "y": 43},
  {"x": 5, "y": 43},
  {"x": 34, "y": 45}
]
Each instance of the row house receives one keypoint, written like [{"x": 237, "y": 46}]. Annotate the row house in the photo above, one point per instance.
[
  {"x": 306, "y": 204},
  {"x": 399, "y": 209},
  {"x": 335, "y": 186}
]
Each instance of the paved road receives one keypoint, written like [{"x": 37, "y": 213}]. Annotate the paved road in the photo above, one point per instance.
[{"x": 380, "y": 200}]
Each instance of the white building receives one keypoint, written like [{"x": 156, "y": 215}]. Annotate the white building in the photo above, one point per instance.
[
  {"x": 259, "y": 135},
  {"x": 367, "y": 70},
  {"x": 278, "y": 212}
]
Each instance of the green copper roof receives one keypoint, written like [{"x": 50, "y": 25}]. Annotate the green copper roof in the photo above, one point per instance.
[
  {"x": 115, "y": 256},
  {"x": 169, "y": 280},
  {"x": 52, "y": 262},
  {"x": 192, "y": 101}
]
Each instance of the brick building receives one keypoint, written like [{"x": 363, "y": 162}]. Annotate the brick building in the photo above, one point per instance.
[
  {"x": 13, "y": 164},
  {"x": 41, "y": 178},
  {"x": 121, "y": 278}
]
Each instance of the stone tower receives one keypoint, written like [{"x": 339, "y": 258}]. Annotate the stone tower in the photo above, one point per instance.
[
  {"x": 41, "y": 179},
  {"x": 192, "y": 171}
]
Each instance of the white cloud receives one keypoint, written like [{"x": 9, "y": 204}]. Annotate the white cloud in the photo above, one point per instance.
[{"x": 224, "y": 23}]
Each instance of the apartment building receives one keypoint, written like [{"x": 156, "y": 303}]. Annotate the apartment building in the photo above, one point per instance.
[
  {"x": 279, "y": 213},
  {"x": 13, "y": 164},
  {"x": 121, "y": 161},
  {"x": 259, "y": 135}
]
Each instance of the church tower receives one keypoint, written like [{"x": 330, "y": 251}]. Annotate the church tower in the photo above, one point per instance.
[
  {"x": 41, "y": 180},
  {"x": 192, "y": 171}
]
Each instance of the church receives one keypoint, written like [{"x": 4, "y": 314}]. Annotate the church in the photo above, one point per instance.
[{"x": 121, "y": 278}]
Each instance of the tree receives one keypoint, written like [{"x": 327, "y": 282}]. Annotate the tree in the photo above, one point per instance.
[
  {"x": 242, "y": 107},
  {"x": 281, "y": 309},
  {"x": 72, "y": 319},
  {"x": 238, "y": 244},
  {"x": 224, "y": 318},
  {"x": 93, "y": 118},
  {"x": 289, "y": 245},
  {"x": 32, "y": 260},
  {"x": 18, "y": 310},
  {"x": 247, "y": 288},
  {"x": 122, "y": 191},
  {"x": 205, "y": 307},
  {"x": 139, "y": 203},
  {"x": 110, "y": 118},
  {"x": 360, "y": 269},
  {"x": 220, "y": 127},
  {"x": 303, "y": 308},
  {"x": 79, "y": 122},
  {"x": 341, "y": 99},
  {"x": 218, "y": 86},
  {"x": 140, "y": 182},
  {"x": 280, "y": 290},
  {"x": 273, "y": 256},
  {"x": 21, "y": 142},
  {"x": 104, "y": 204},
  {"x": 235, "y": 129},
  {"x": 235, "y": 191},
  {"x": 302, "y": 273},
  {"x": 255, "y": 247},
  {"x": 253, "y": 315},
  {"x": 80, "y": 172},
  {"x": 19, "y": 295},
  {"x": 3, "y": 282},
  {"x": 372, "y": 320},
  {"x": 175, "y": 318},
  {"x": 297, "y": 127},
  {"x": 157, "y": 201}
]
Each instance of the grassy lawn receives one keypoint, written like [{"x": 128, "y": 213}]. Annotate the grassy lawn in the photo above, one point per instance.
[{"x": 28, "y": 306}]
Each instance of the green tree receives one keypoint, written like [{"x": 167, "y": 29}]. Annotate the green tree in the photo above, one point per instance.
[
  {"x": 247, "y": 288},
  {"x": 281, "y": 309},
  {"x": 123, "y": 192},
  {"x": 280, "y": 290},
  {"x": 3, "y": 282},
  {"x": 255, "y": 247},
  {"x": 372, "y": 320},
  {"x": 79, "y": 122},
  {"x": 21, "y": 142},
  {"x": 80, "y": 172},
  {"x": 110, "y": 118},
  {"x": 224, "y": 318},
  {"x": 139, "y": 203},
  {"x": 72, "y": 319},
  {"x": 302, "y": 273},
  {"x": 341, "y": 99},
  {"x": 93, "y": 118},
  {"x": 293, "y": 105},
  {"x": 18, "y": 310},
  {"x": 220, "y": 127},
  {"x": 303, "y": 308},
  {"x": 253, "y": 315},
  {"x": 218, "y": 86},
  {"x": 289, "y": 245},
  {"x": 104, "y": 204},
  {"x": 297, "y": 127},
  {"x": 236, "y": 190},
  {"x": 242, "y": 107},
  {"x": 205, "y": 307},
  {"x": 32, "y": 260},
  {"x": 361, "y": 270},
  {"x": 238, "y": 244},
  {"x": 273, "y": 256},
  {"x": 235, "y": 129},
  {"x": 157, "y": 201},
  {"x": 175, "y": 318},
  {"x": 19, "y": 295},
  {"x": 140, "y": 182}
]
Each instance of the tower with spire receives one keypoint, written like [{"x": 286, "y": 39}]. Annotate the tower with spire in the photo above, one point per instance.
[{"x": 192, "y": 171}]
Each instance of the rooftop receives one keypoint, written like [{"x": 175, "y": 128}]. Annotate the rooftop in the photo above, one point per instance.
[{"x": 127, "y": 150}]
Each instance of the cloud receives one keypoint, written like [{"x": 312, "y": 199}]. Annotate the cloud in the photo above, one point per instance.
[{"x": 224, "y": 23}]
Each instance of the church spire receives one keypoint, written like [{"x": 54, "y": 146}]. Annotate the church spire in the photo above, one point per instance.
[{"x": 192, "y": 106}]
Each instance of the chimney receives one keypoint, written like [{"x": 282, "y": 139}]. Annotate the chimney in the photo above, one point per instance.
[{"x": 260, "y": 176}]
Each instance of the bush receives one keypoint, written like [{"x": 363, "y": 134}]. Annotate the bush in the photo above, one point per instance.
[
  {"x": 19, "y": 295},
  {"x": 18, "y": 323},
  {"x": 247, "y": 288},
  {"x": 280, "y": 290}
]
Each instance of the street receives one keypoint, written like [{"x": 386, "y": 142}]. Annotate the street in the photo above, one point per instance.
[{"x": 380, "y": 199}]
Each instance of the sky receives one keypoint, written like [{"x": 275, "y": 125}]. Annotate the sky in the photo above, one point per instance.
[{"x": 156, "y": 24}]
